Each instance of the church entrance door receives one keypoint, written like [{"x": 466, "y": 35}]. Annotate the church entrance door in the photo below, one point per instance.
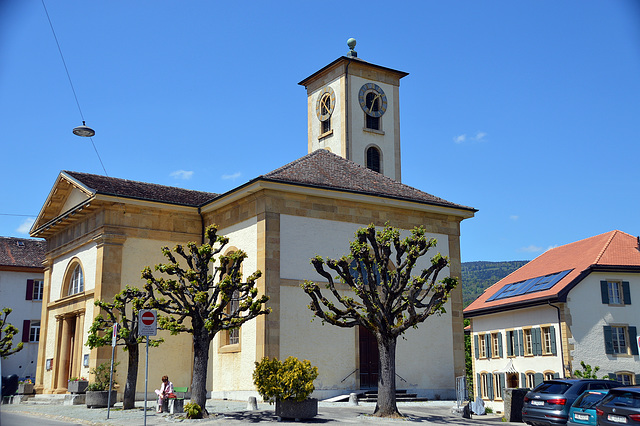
[{"x": 369, "y": 359}]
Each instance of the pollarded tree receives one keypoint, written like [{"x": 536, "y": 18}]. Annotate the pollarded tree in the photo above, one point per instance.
[
  {"x": 7, "y": 331},
  {"x": 124, "y": 311},
  {"x": 212, "y": 297},
  {"x": 389, "y": 299}
]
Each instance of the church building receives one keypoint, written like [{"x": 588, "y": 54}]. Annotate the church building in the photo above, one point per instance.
[{"x": 101, "y": 232}]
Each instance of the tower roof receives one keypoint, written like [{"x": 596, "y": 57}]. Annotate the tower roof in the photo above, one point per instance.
[{"x": 344, "y": 60}]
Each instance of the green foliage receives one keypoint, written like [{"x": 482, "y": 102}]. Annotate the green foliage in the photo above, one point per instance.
[
  {"x": 291, "y": 379},
  {"x": 7, "y": 331},
  {"x": 101, "y": 375},
  {"x": 587, "y": 372},
  {"x": 468, "y": 362},
  {"x": 478, "y": 276},
  {"x": 193, "y": 410}
]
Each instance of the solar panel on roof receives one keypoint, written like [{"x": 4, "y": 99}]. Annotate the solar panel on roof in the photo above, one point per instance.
[{"x": 531, "y": 285}]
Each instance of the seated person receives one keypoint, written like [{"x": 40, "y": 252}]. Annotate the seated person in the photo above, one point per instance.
[{"x": 165, "y": 389}]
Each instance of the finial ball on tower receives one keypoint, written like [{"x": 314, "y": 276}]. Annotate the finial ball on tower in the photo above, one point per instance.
[{"x": 351, "y": 43}]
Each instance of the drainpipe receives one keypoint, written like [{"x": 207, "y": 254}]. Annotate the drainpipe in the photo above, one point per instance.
[
  {"x": 559, "y": 331},
  {"x": 201, "y": 226}
]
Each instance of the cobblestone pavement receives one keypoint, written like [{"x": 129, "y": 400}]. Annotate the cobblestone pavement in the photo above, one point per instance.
[{"x": 235, "y": 412}]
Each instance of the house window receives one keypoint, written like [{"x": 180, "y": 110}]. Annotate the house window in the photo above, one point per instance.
[
  {"x": 619, "y": 339},
  {"x": 531, "y": 380},
  {"x": 528, "y": 342},
  {"x": 34, "y": 331},
  {"x": 625, "y": 378},
  {"x": 615, "y": 292},
  {"x": 373, "y": 159},
  {"x": 373, "y": 104},
  {"x": 483, "y": 346},
  {"x": 498, "y": 381},
  {"x": 484, "y": 377},
  {"x": 234, "y": 304},
  {"x": 548, "y": 340},
  {"x": 326, "y": 126},
  {"x": 76, "y": 281},
  {"x": 496, "y": 345},
  {"x": 511, "y": 343},
  {"x": 38, "y": 290},
  {"x": 549, "y": 376}
]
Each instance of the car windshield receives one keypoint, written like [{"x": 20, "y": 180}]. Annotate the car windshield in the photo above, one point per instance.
[
  {"x": 627, "y": 399},
  {"x": 588, "y": 400},
  {"x": 552, "y": 387}
]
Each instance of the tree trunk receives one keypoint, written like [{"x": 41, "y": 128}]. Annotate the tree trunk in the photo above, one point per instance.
[
  {"x": 201, "y": 343},
  {"x": 386, "y": 405},
  {"x": 129, "y": 400}
]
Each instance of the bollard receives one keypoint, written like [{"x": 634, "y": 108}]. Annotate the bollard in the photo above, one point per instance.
[
  {"x": 353, "y": 399},
  {"x": 252, "y": 404}
]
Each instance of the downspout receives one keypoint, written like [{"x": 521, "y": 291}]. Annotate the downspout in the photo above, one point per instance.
[
  {"x": 560, "y": 333},
  {"x": 201, "y": 226}
]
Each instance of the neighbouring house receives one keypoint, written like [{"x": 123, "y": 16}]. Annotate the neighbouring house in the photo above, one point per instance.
[
  {"x": 21, "y": 289},
  {"x": 578, "y": 302},
  {"x": 102, "y": 231}
]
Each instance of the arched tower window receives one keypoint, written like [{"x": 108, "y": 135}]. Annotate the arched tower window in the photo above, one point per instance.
[
  {"x": 373, "y": 105},
  {"x": 373, "y": 159},
  {"x": 74, "y": 279}
]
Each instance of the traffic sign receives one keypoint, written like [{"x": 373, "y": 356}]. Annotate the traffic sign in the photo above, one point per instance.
[
  {"x": 114, "y": 335},
  {"x": 148, "y": 324}
]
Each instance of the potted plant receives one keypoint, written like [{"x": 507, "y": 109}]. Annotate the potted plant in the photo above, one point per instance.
[
  {"x": 289, "y": 385},
  {"x": 97, "y": 395},
  {"x": 25, "y": 387},
  {"x": 77, "y": 385}
]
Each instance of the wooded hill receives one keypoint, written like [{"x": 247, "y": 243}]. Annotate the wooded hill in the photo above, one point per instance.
[{"x": 478, "y": 276}]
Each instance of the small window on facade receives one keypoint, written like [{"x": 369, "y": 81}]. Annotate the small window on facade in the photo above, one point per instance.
[
  {"x": 373, "y": 159},
  {"x": 38, "y": 289},
  {"x": 528, "y": 342},
  {"x": 484, "y": 377},
  {"x": 625, "y": 378},
  {"x": 497, "y": 388},
  {"x": 34, "y": 331},
  {"x": 546, "y": 340},
  {"x": 483, "y": 346},
  {"x": 615, "y": 293},
  {"x": 326, "y": 126},
  {"x": 234, "y": 304},
  {"x": 76, "y": 283},
  {"x": 619, "y": 338},
  {"x": 531, "y": 380},
  {"x": 495, "y": 343},
  {"x": 548, "y": 376}
]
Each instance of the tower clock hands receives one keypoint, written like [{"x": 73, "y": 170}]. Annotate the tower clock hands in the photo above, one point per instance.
[{"x": 374, "y": 102}]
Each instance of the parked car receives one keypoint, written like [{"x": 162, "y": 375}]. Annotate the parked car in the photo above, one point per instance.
[
  {"x": 583, "y": 409},
  {"x": 620, "y": 406},
  {"x": 548, "y": 404}
]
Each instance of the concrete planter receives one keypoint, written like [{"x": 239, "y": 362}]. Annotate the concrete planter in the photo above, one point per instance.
[
  {"x": 77, "y": 386},
  {"x": 25, "y": 389},
  {"x": 99, "y": 399},
  {"x": 289, "y": 409}
]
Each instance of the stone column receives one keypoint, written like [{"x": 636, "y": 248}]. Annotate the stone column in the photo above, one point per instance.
[
  {"x": 77, "y": 350},
  {"x": 44, "y": 326},
  {"x": 63, "y": 361}
]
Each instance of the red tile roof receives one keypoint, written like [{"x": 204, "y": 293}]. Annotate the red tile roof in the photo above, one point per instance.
[
  {"x": 22, "y": 252},
  {"x": 611, "y": 250}
]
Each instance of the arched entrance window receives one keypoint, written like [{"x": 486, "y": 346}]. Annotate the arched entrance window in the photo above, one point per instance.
[
  {"x": 373, "y": 159},
  {"x": 74, "y": 279}
]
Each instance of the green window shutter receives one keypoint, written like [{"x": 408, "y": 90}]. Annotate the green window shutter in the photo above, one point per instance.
[
  {"x": 523, "y": 380},
  {"x": 479, "y": 385},
  {"x": 556, "y": 375},
  {"x": 502, "y": 382},
  {"x": 537, "y": 341},
  {"x": 537, "y": 379},
  {"x": 475, "y": 341},
  {"x": 500, "y": 345},
  {"x": 520, "y": 343},
  {"x": 604, "y": 290},
  {"x": 552, "y": 331},
  {"x": 608, "y": 339},
  {"x": 633, "y": 340},
  {"x": 637, "y": 379},
  {"x": 487, "y": 344},
  {"x": 509, "y": 347},
  {"x": 626, "y": 293},
  {"x": 490, "y": 385},
  {"x": 612, "y": 376}
]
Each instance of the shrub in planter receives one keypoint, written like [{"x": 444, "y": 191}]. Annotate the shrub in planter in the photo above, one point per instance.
[
  {"x": 289, "y": 384},
  {"x": 77, "y": 385},
  {"x": 25, "y": 387},
  {"x": 98, "y": 392}
]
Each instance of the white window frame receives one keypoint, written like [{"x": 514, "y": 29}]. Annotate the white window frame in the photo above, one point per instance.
[
  {"x": 546, "y": 340},
  {"x": 616, "y": 296},
  {"x": 482, "y": 346},
  {"x": 620, "y": 339},
  {"x": 527, "y": 334},
  {"x": 38, "y": 290},
  {"x": 495, "y": 345},
  {"x": 34, "y": 331}
]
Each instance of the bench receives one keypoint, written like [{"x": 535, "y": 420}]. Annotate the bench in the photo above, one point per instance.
[{"x": 175, "y": 405}]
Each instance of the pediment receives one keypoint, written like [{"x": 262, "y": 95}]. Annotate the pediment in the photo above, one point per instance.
[{"x": 65, "y": 195}]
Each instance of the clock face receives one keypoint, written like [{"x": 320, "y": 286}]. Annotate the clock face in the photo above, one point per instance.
[
  {"x": 372, "y": 100},
  {"x": 325, "y": 103}
]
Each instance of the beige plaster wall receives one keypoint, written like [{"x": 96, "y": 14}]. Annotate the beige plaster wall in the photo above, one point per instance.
[{"x": 87, "y": 254}]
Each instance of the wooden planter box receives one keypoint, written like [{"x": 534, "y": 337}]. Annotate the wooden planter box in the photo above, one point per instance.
[
  {"x": 99, "y": 399},
  {"x": 25, "y": 389},
  {"x": 77, "y": 386},
  {"x": 297, "y": 409}
]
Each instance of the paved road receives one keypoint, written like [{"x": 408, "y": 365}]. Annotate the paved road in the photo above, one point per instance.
[{"x": 17, "y": 419}]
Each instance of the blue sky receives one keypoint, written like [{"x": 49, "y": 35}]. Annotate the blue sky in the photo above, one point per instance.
[{"x": 526, "y": 110}]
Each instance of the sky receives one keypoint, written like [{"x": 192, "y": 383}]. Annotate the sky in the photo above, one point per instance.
[{"x": 528, "y": 111}]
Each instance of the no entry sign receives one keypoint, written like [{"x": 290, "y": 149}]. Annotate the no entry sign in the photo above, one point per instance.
[{"x": 148, "y": 324}]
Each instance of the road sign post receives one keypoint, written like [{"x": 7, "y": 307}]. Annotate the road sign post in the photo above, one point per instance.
[
  {"x": 147, "y": 326},
  {"x": 114, "y": 338}
]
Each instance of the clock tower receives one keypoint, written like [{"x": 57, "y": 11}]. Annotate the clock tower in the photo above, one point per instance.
[{"x": 353, "y": 110}]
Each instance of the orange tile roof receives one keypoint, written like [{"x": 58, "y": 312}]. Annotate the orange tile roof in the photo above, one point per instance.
[{"x": 608, "y": 250}]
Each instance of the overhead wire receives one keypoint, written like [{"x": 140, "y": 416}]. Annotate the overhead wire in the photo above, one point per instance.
[{"x": 71, "y": 84}]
